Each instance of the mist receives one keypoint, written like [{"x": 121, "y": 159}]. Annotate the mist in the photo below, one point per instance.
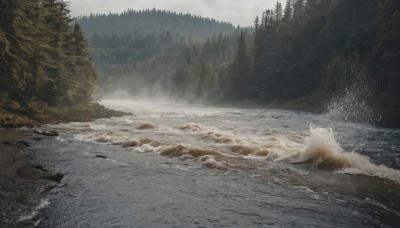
[{"x": 236, "y": 12}]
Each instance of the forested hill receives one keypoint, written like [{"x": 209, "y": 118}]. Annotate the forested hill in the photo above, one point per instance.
[
  {"x": 337, "y": 56},
  {"x": 154, "y": 21},
  {"x": 157, "y": 52},
  {"x": 340, "y": 57},
  {"x": 46, "y": 72}
]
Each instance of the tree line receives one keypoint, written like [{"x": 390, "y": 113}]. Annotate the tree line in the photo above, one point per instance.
[
  {"x": 155, "y": 52},
  {"x": 301, "y": 54},
  {"x": 152, "y": 20},
  {"x": 44, "y": 58},
  {"x": 308, "y": 53}
]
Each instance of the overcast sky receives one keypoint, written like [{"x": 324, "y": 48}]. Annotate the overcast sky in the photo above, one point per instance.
[{"x": 239, "y": 12}]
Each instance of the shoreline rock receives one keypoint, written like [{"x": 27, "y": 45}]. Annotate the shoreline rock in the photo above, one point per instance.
[
  {"x": 23, "y": 185},
  {"x": 21, "y": 180},
  {"x": 47, "y": 115}
]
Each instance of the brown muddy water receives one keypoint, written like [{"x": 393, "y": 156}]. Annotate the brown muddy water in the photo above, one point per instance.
[{"x": 175, "y": 165}]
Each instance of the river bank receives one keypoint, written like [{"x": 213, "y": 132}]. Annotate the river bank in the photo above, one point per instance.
[
  {"x": 190, "y": 166},
  {"x": 13, "y": 118},
  {"x": 23, "y": 182}
]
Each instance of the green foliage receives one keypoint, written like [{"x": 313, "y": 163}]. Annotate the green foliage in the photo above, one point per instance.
[
  {"x": 44, "y": 60},
  {"x": 306, "y": 52},
  {"x": 153, "y": 56},
  {"x": 340, "y": 74},
  {"x": 321, "y": 50},
  {"x": 151, "y": 21}
]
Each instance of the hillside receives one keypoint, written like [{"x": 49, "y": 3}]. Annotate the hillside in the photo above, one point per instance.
[
  {"x": 337, "y": 57},
  {"x": 46, "y": 71},
  {"x": 154, "y": 21},
  {"x": 156, "y": 52}
]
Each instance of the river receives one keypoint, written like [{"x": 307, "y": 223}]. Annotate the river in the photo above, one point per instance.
[{"x": 176, "y": 165}]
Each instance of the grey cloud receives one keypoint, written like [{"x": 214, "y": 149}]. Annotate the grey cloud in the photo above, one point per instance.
[{"x": 239, "y": 12}]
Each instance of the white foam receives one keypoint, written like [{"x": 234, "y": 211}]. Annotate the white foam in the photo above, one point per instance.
[
  {"x": 44, "y": 203},
  {"x": 212, "y": 163},
  {"x": 323, "y": 148},
  {"x": 97, "y": 127},
  {"x": 278, "y": 145}
]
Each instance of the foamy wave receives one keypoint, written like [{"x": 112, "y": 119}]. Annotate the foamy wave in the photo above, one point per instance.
[
  {"x": 210, "y": 162},
  {"x": 35, "y": 215},
  {"x": 324, "y": 150},
  {"x": 320, "y": 148}
]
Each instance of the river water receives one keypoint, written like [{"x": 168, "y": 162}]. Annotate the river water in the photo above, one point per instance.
[{"x": 171, "y": 165}]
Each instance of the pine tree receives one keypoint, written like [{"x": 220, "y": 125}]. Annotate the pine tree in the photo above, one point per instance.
[
  {"x": 241, "y": 60},
  {"x": 9, "y": 42},
  {"x": 257, "y": 45},
  {"x": 298, "y": 10},
  {"x": 278, "y": 13},
  {"x": 36, "y": 46},
  {"x": 288, "y": 12}
]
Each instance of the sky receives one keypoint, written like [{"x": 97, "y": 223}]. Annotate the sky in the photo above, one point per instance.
[{"x": 238, "y": 12}]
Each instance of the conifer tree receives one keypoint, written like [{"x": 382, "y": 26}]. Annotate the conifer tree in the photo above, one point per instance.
[
  {"x": 298, "y": 10},
  {"x": 37, "y": 57},
  {"x": 258, "y": 45},
  {"x": 241, "y": 60},
  {"x": 288, "y": 12},
  {"x": 278, "y": 13}
]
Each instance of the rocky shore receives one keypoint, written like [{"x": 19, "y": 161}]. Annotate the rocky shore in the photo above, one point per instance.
[
  {"x": 23, "y": 183},
  {"x": 12, "y": 118}
]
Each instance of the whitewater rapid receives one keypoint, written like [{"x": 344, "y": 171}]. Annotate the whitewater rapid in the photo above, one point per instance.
[
  {"x": 217, "y": 146},
  {"x": 186, "y": 165}
]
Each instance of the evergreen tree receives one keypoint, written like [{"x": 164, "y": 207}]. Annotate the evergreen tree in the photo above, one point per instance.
[
  {"x": 38, "y": 60},
  {"x": 298, "y": 12},
  {"x": 288, "y": 11},
  {"x": 258, "y": 45},
  {"x": 278, "y": 13},
  {"x": 241, "y": 61}
]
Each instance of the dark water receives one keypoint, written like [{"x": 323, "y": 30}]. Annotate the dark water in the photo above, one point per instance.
[{"x": 194, "y": 166}]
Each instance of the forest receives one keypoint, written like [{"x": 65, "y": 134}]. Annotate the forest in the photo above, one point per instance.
[
  {"x": 46, "y": 71},
  {"x": 333, "y": 56},
  {"x": 158, "y": 53},
  {"x": 337, "y": 56}
]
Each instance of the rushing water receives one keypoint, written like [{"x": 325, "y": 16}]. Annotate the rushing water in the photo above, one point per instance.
[{"x": 173, "y": 165}]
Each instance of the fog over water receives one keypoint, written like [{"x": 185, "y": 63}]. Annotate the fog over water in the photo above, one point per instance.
[{"x": 237, "y": 12}]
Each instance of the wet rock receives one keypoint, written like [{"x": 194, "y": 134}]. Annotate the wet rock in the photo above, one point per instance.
[
  {"x": 101, "y": 156},
  {"x": 8, "y": 143},
  {"x": 39, "y": 167},
  {"x": 16, "y": 144},
  {"x": 23, "y": 143},
  {"x": 47, "y": 133},
  {"x": 145, "y": 126},
  {"x": 56, "y": 177},
  {"x": 46, "y": 189},
  {"x": 18, "y": 186},
  {"x": 131, "y": 143},
  {"x": 38, "y": 173}
]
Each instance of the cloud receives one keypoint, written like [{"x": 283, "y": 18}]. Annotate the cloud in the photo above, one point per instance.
[{"x": 239, "y": 12}]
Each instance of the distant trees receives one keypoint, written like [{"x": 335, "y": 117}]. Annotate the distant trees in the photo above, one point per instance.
[
  {"x": 151, "y": 20},
  {"x": 157, "y": 52},
  {"x": 316, "y": 50},
  {"x": 303, "y": 53},
  {"x": 43, "y": 59}
]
